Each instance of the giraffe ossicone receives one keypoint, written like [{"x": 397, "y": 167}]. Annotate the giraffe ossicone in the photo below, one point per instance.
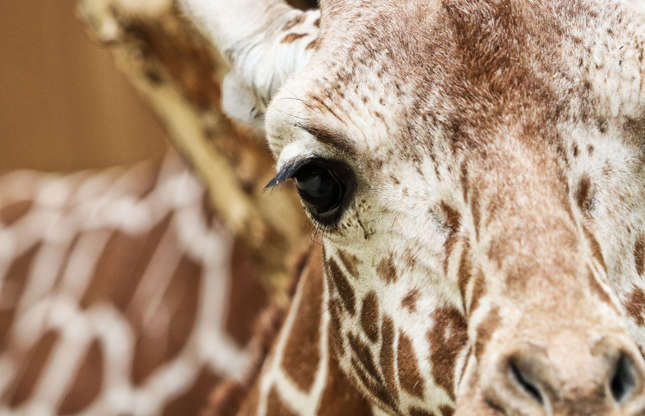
[{"x": 477, "y": 174}]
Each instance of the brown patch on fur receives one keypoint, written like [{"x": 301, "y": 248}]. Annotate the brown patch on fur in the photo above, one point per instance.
[
  {"x": 195, "y": 399},
  {"x": 595, "y": 247},
  {"x": 314, "y": 44},
  {"x": 409, "y": 374},
  {"x": 302, "y": 352},
  {"x": 495, "y": 251},
  {"x": 446, "y": 410},
  {"x": 292, "y": 37},
  {"x": 479, "y": 290},
  {"x": 298, "y": 261},
  {"x": 639, "y": 255},
  {"x": 350, "y": 262},
  {"x": 121, "y": 266},
  {"x": 387, "y": 356},
  {"x": 490, "y": 47},
  {"x": 463, "y": 179},
  {"x": 635, "y": 127},
  {"x": 13, "y": 287},
  {"x": 11, "y": 213},
  {"x": 207, "y": 206},
  {"x": 301, "y": 17},
  {"x": 464, "y": 273},
  {"x": 410, "y": 260},
  {"x": 30, "y": 370},
  {"x": 267, "y": 328},
  {"x": 227, "y": 397},
  {"x": 410, "y": 300},
  {"x": 87, "y": 382},
  {"x": 374, "y": 387},
  {"x": 335, "y": 336},
  {"x": 275, "y": 406},
  {"x": 415, "y": 411},
  {"x": 179, "y": 311},
  {"x": 583, "y": 194},
  {"x": 475, "y": 210},
  {"x": 607, "y": 169},
  {"x": 370, "y": 315},
  {"x": 386, "y": 269},
  {"x": 453, "y": 221},
  {"x": 247, "y": 296},
  {"x": 447, "y": 337},
  {"x": 636, "y": 306},
  {"x": 485, "y": 332},
  {"x": 340, "y": 396},
  {"x": 363, "y": 354},
  {"x": 342, "y": 286}
]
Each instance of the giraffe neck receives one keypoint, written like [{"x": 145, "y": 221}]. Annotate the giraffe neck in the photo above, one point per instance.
[
  {"x": 119, "y": 293},
  {"x": 301, "y": 374}
]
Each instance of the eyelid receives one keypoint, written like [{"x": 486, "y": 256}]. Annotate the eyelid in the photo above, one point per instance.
[{"x": 288, "y": 171}]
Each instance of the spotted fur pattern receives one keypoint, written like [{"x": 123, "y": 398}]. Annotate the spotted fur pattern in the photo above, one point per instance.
[
  {"x": 499, "y": 211},
  {"x": 120, "y": 293}
]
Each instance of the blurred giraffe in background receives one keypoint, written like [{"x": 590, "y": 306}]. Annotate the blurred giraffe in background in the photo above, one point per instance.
[{"x": 120, "y": 293}]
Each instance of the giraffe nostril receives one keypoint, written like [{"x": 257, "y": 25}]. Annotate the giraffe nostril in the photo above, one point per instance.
[
  {"x": 524, "y": 381},
  {"x": 569, "y": 370},
  {"x": 623, "y": 380}
]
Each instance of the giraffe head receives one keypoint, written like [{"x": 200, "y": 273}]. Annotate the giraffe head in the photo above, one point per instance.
[{"x": 477, "y": 173}]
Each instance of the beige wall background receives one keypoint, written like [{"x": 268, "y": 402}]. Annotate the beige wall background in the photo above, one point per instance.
[{"x": 63, "y": 105}]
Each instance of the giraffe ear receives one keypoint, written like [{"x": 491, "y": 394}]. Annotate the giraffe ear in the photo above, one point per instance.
[
  {"x": 264, "y": 41},
  {"x": 239, "y": 103}
]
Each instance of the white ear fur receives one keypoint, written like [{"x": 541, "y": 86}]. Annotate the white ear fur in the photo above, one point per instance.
[
  {"x": 265, "y": 62},
  {"x": 265, "y": 41},
  {"x": 239, "y": 104}
]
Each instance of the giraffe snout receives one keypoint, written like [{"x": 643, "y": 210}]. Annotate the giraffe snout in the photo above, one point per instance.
[{"x": 569, "y": 375}]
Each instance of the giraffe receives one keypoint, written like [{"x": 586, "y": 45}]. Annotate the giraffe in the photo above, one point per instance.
[
  {"x": 476, "y": 175},
  {"x": 121, "y": 293}
]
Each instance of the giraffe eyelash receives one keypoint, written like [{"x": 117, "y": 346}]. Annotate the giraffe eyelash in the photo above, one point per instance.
[{"x": 287, "y": 172}]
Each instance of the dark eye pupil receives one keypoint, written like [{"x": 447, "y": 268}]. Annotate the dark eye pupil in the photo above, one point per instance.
[{"x": 319, "y": 189}]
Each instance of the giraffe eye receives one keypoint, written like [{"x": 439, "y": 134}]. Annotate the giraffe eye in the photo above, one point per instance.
[
  {"x": 325, "y": 186},
  {"x": 321, "y": 189}
]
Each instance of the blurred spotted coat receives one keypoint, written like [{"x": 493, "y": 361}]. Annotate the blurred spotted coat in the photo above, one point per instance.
[{"x": 120, "y": 293}]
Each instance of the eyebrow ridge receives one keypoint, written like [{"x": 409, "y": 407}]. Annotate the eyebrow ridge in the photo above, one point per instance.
[{"x": 331, "y": 138}]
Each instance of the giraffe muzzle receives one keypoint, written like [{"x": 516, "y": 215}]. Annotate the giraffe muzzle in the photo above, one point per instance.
[{"x": 570, "y": 374}]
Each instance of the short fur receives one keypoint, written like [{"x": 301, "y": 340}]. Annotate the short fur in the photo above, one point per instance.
[{"x": 498, "y": 219}]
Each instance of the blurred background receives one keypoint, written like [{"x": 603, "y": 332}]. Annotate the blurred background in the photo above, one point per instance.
[
  {"x": 121, "y": 291},
  {"x": 64, "y": 107},
  {"x": 63, "y": 104}
]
